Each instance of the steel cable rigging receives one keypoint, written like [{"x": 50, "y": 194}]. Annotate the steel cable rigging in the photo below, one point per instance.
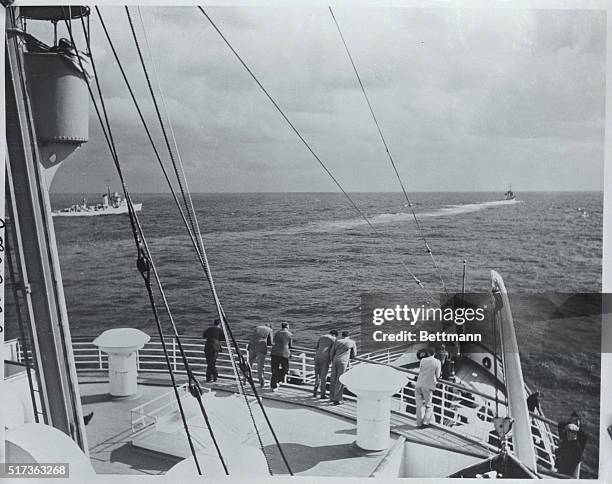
[
  {"x": 391, "y": 160},
  {"x": 378, "y": 234},
  {"x": 145, "y": 263},
  {"x": 201, "y": 253},
  {"x": 193, "y": 382}
]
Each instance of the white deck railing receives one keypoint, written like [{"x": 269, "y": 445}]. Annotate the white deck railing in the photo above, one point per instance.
[
  {"x": 458, "y": 409},
  {"x": 148, "y": 413}
]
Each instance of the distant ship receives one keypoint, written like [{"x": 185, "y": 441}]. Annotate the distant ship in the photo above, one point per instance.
[
  {"x": 112, "y": 204},
  {"x": 509, "y": 194}
]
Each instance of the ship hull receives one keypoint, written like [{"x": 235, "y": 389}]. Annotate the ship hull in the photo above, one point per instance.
[{"x": 94, "y": 213}]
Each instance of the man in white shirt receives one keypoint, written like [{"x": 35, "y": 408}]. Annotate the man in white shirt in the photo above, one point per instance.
[{"x": 429, "y": 372}]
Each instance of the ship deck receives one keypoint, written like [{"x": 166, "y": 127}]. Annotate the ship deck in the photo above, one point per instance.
[{"x": 316, "y": 436}]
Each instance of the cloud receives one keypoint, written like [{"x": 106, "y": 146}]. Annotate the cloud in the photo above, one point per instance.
[{"x": 464, "y": 96}]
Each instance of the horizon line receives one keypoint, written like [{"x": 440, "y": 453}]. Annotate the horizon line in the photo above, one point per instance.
[{"x": 601, "y": 190}]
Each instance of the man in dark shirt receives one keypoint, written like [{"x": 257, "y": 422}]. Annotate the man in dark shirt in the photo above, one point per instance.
[
  {"x": 444, "y": 358},
  {"x": 572, "y": 441},
  {"x": 533, "y": 402},
  {"x": 213, "y": 336},
  {"x": 280, "y": 353},
  {"x": 569, "y": 453}
]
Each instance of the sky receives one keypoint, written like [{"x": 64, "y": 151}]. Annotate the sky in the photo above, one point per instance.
[{"x": 468, "y": 99}]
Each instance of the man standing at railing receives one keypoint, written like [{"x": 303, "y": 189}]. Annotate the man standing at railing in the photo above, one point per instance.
[
  {"x": 258, "y": 349},
  {"x": 322, "y": 361},
  {"x": 444, "y": 358},
  {"x": 429, "y": 372},
  {"x": 341, "y": 353},
  {"x": 572, "y": 441},
  {"x": 569, "y": 453},
  {"x": 213, "y": 336},
  {"x": 280, "y": 354}
]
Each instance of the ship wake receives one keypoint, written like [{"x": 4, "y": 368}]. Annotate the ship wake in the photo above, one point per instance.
[{"x": 389, "y": 218}]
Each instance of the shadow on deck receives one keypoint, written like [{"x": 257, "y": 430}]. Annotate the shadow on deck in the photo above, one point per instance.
[{"x": 316, "y": 436}]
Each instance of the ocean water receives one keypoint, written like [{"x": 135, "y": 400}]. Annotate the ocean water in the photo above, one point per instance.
[{"x": 305, "y": 258}]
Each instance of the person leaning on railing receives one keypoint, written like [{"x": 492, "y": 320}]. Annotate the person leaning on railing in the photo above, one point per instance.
[
  {"x": 214, "y": 336},
  {"x": 322, "y": 360},
  {"x": 572, "y": 441},
  {"x": 342, "y": 352},
  {"x": 280, "y": 354},
  {"x": 257, "y": 347}
]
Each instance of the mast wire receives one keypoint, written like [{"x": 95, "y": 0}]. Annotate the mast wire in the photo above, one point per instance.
[
  {"x": 378, "y": 234},
  {"x": 386, "y": 146},
  {"x": 190, "y": 205},
  {"x": 194, "y": 385},
  {"x": 141, "y": 246},
  {"x": 243, "y": 365},
  {"x": 193, "y": 225},
  {"x": 201, "y": 253}
]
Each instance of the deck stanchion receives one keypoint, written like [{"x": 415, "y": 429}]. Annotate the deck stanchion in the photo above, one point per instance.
[
  {"x": 174, "y": 352},
  {"x": 449, "y": 405},
  {"x": 443, "y": 404},
  {"x": 303, "y": 357}
]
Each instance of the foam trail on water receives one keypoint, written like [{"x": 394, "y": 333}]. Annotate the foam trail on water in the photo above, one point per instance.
[
  {"x": 348, "y": 224},
  {"x": 466, "y": 208},
  {"x": 385, "y": 218}
]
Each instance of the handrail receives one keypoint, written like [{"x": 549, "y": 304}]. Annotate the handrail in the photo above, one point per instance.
[
  {"x": 550, "y": 436},
  {"x": 440, "y": 380},
  {"x": 141, "y": 414},
  {"x": 451, "y": 408}
]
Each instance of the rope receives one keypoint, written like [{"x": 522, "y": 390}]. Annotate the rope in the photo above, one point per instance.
[
  {"x": 140, "y": 242},
  {"x": 178, "y": 205},
  {"x": 153, "y": 145},
  {"x": 159, "y": 117},
  {"x": 384, "y": 142},
  {"x": 201, "y": 252},
  {"x": 194, "y": 387},
  {"x": 314, "y": 154},
  {"x": 171, "y": 127},
  {"x": 246, "y": 370},
  {"x": 463, "y": 282},
  {"x": 192, "y": 223},
  {"x": 144, "y": 267},
  {"x": 108, "y": 132}
]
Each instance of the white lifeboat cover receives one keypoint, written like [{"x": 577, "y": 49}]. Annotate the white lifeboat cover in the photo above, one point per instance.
[{"x": 43, "y": 444}]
